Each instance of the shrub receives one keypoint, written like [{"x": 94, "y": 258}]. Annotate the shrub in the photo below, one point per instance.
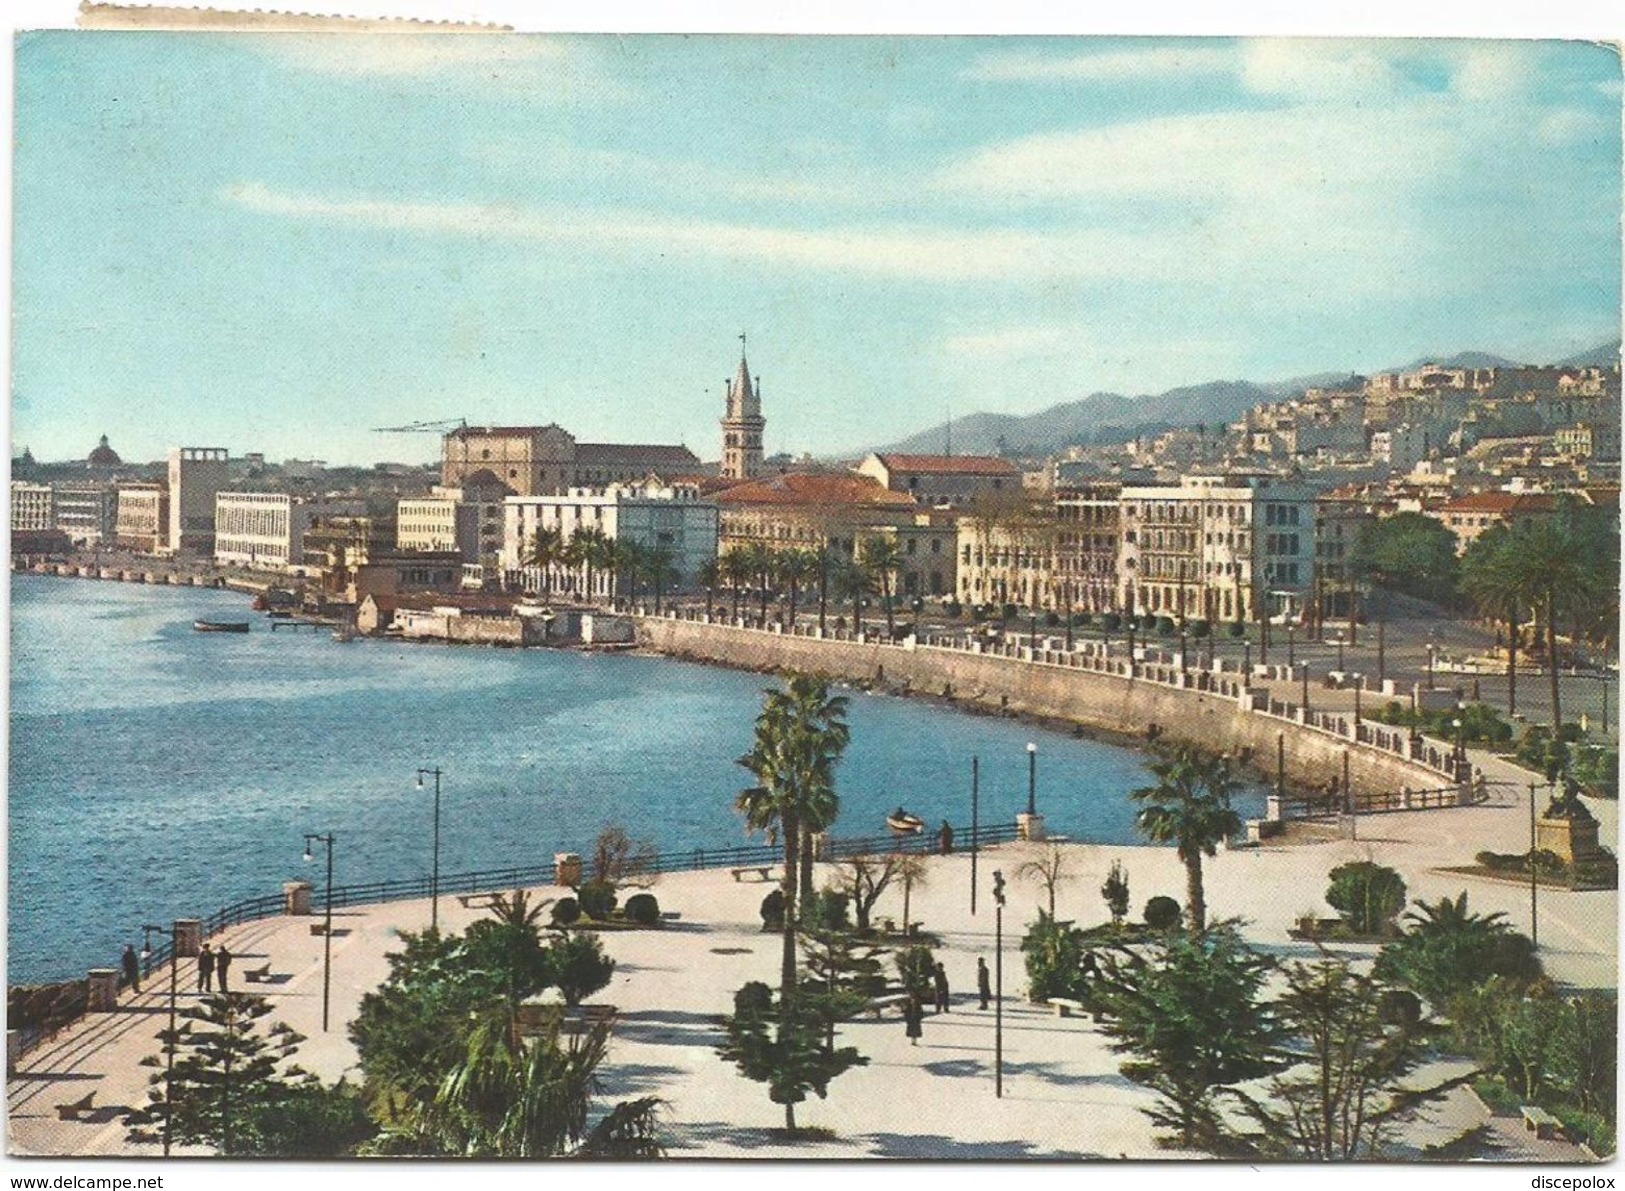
[
  {"x": 753, "y": 999},
  {"x": 1115, "y": 891},
  {"x": 1596, "y": 768},
  {"x": 1054, "y": 957},
  {"x": 1082, "y": 619},
  {"x": 773, "y": 910},
  {"x": 1008, "y": 612},
  {"x": 1369, "y": 896},
  {"x": 566, "y": 911},
  {"x": 1449, "y": 950},
  {"x": 1111, "y": 622},
  {"x": 1162, "y": 913},
  {"x": 826, "y": 911},
  {"x": 916, "y": 968},
  {"x": 1238, "y": 628},
  {"x": 1200, "y": 629},
  {"x": 597, "y": 899},
  {"x": 1051, "y": 620},
  {"x": 579, "y": 966},
  {"x": 1166, "y": 626},
  {"x": 643, "y": 909},
  {"x": 953, "y": 609}
]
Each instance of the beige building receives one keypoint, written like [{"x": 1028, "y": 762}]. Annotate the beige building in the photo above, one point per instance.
[
  {"x": 956, "y": 481},
  {"x": 142, "y": 520},
  {"x": 742, "y": 425},
  {"x": 196, "y": 476},
  {"x": 467, "y": 519},
  {"x": 87, "y": 513},
  {"x": 547, "y": 460},
  {"x": 266, "y": 530},
  {"x": 1087, "y": 520},
  {"x": 1469, "y": 516},
  {"x": 33, "y": 507},
  {"x": 1002, "y": 563}
]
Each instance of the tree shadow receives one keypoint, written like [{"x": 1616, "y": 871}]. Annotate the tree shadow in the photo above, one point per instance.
[
  {"x": 935, "y": 1148},
  {"x": 627, "y": 1079}
]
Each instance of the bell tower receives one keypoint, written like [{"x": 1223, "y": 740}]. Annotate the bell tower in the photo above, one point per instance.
[{"x": 743, "y": 423}]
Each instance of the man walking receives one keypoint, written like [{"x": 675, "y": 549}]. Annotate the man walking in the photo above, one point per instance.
[
  {"x": 939, "y": 978},
  {"x": 984, "y": 983},
  {"x": 132, "y": 967},
  {"x": 205, "y": 969},
  {"x": 222, "y": 963}
]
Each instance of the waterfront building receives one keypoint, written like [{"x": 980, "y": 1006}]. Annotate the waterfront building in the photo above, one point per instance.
[
  {"x": 87, "y": 513},
  {"x": 673, "y": 518},
  {"x": 743, "y": 424},
  {"x": 196, "y": 476},
  {"x": 954, "y": 481},
  {"x": 33, "y": 507},
  {"x": 547, "y": 460},
  {"x": 1217, "y": 548},
  {"x": 1087, "y": 517},
  {"x": 836, "y": 511},
  {"x": 266, "y": 530},
  {"x": 1469, "y": 516},
  {"x": 466, "y": 519},
  {"x": 1006, "y": 561},
  {"x": 141, "y": 522}
]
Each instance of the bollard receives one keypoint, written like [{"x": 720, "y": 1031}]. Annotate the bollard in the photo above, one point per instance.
[
  {"x": 188, "y": 937},
  {"x": 102, "y": 993},
  {"x": 296, "y": 897}
]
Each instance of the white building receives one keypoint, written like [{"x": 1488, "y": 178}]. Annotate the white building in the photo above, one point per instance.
[
  {"x": 196, "y": 475},
  {"x": 141, "y": 522},
  {"x": 33, "y": 507},
  {"x": 266, "y": 530},
  {"x": 671, "y": 518},
  {"x": 87, "y": 513},
  {"x": 468, "y": 520}
]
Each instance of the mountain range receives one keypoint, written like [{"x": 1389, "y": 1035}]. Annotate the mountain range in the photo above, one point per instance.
[{"x": 1106, "y": 418}]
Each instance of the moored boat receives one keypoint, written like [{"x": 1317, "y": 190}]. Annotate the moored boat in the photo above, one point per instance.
[
  {"x": 220, "y": 626},
  {"x": 903, "y": 823}
]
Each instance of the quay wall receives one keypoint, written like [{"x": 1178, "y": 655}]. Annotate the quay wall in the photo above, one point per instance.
[{"x": 1099, "y": 700}]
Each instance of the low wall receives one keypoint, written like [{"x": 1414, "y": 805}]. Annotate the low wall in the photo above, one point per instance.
[{"x": 1108, "y": 702}]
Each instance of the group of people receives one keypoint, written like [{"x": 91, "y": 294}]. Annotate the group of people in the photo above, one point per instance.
[
  {"x": 914, "y": 1010},
  {"x": 213, "y": 968}
]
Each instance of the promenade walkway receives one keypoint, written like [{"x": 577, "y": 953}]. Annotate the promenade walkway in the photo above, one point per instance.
[{"x": 1063, "y": 1096}]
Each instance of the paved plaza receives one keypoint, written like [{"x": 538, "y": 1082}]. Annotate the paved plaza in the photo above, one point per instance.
[{"x": 1064, "y": 1096}]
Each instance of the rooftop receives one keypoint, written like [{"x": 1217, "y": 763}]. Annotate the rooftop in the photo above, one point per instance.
[
  {"x": 814, "y": 488},
  {"x": 951, "y": 465}
]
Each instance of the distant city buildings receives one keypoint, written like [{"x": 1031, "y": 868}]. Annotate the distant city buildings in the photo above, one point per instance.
[
  {"x": 743, "y": 424},
  {"x": 141, "y": 523},
  {"x": 267, "y": 530},
  {"x": 196, "y": 476},
  {"x": 955, "y": 481},
  {"x": 547, "y": 460}
]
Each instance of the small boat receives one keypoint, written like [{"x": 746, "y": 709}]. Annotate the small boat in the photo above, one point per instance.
[
  {"x": 903, "y": 823},
  {"x": 220, "y": 626}
]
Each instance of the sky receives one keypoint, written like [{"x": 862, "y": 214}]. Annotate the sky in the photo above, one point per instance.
[{"x": 277, "y": 243}]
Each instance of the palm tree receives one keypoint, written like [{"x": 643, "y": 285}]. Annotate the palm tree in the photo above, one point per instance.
[
  {"x": 1189, "y": 807},
  {"x": 795, "y": 566},
  {"x": 736, "y": 570},
  {"x": 824, "y": 559},
  {"x": 572, "y": 557},
  {"x": 1494, "y": 580},
  {"x": 882, "y": 559},
  {"x": 592, "y": 552},
  {"x": 800, "y": 737},
  {"x": 632, "y": 561},
  {"x": 660, "y": 569},
  {"x": 514, "y": 1099},
  {"x": 850, "y": 580},
  {"x": 709, "y": 573},
  {"x": 758, "y": 558},
  {"x": 546, "y": 548}
]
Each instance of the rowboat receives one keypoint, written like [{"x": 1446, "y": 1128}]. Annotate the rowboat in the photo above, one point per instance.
[
  {"x": 903, "y": 823},
  {"x": 220, "y": 626}
]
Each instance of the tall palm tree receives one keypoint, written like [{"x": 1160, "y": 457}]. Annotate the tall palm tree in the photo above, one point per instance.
[
  {"x": 1189, "y": 807},
  {"x": 572, "y": 557},
  {"x": 795, "y": 566},
  {"x": 800, "y": 737},
  {"x": 546, "y": 548},
  {"x": 824, "y": 560},
  {"x": 1496, "y": 582},
  {"x": 736, "y": 570},
  {"x": 592, "y": 549},
  {"x": 759, "y": 559},
  {"x": 850, "y": 580},
  {"x": 881, "y": 557},
  {"x": 660, "y": 569},
  {"x": 707, "y": 577},
  {"x": 631, "y": 561}
]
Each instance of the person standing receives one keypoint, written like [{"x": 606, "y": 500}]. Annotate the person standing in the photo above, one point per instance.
[
  {"x": 984, "y": 983},
  {"x": 913, "y": 1019},
  {"x": 222, "y": 964},
  {"x": 945, "y": 839},
  {"x": 939, "y": 979},
  {"x": 205, "y": 969},
  {"x": 132, "y": 967}
]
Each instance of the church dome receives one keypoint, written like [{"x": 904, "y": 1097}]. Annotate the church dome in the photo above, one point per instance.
[{"x": 104, "y": 455}]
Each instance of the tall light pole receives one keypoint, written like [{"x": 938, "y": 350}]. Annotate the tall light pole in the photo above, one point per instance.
[
  {"x": 434, "y": 873},
  {"x": 1432, "y": 652},
  {"x": 1291, "y": 661},
  {"x": 173, "y": 1039},
  {"x": 975, "y": 823},
  {"x": 1339, "y": 651},
  {"x": 1032, "y": 778},
  {"x": 327, "y": 929},
  {"x": 1534, "y": 910},
  {"x": 998, "y": 984}
]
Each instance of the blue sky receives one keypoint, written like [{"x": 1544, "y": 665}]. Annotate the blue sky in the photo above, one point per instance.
[{"x": 275, "y": 243}]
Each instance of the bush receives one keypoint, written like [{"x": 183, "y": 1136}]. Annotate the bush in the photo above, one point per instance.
[
  {"x": 1162, "y": 913},
  {"x": 773, "y": 910},
  {"x": 1200, "y": 629},
  {"x": 1449, "y": 950},
  {"x": 1051, "y": 620},
  {"x": 1238, "y": 628},
  {"x": 1054, "y": 957},
  {"x": 1596, "y": 768},
  {"x": 643, "y": 909},
  {"x": 1082, "y": 619},
  {"x": 1369, "y": 896},
  {"x": 1008, "y": 612},
  {"x": 566, "y": 911},
  {"x": 753, "y": 999},
  {"x": 916, "y": 968},
  {"x": 578, "y": 966},
  {"x": 1547, "y": 863},
  {"x": 826, "y": 911},
  {"x": 597, "y": 899},
  {"x": 953, "y": 609},
  {"x": 1111, "y": 622},
  {"x": 1166, "y": 626}
]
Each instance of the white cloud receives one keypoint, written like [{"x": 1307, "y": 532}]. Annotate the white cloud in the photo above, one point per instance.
[
  {"x": 1564, "y": 126},
  {"x": 1490, "y": 71},
  {"x": 1112, "y": 66},
  {"x": 1318, "y": 70}
]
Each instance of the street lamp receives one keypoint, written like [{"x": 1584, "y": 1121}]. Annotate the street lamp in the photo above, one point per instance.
[
  {"x": 172, "y": 1039},
  {"x": 434, "y": 875},
  {"x": 1359, "y": 684},
  {"x": 998, "y": 984},
  {"x": 1432, "y": 658},
  {"x": 1183, "y": 664},
  {"x": 1534, "y": 906},
  {"x": 1461, "y": 747},
  {"x": 975, "y": 823},
  {"x": 1032, "y": 779},
  {"x": 1339, "y": 651},
  {"x": 1306, "y": 691},
  {"x": 327, "y": 928},
  {"x": 1291, "y": 661}
]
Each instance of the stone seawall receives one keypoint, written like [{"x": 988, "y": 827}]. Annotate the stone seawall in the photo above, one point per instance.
[{"x": 1101, "y": 701}]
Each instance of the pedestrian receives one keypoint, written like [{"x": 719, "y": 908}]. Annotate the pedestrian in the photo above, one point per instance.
[
  {"x": 132, "y": 967},
  {"x": 984, "y": 986},
  {"x": 222, "y": 962},
  {"x": 205, "y": 969},
  {"x": 945, "y": 838},
  {"x": 939, "y": 978},
  {"x": 913, "y": 1016}
]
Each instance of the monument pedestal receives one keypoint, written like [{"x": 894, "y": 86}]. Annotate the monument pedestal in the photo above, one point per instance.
[
  {"x": 1030, "y": 828},
  {"x": 1570, "y": 838}
]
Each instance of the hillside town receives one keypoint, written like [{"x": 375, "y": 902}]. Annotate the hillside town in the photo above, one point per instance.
[{"x": 1255, "y": 521}]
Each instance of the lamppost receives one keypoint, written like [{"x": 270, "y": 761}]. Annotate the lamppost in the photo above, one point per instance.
[
  {"x": 998, "y": 984},
  {"x": 1339, "y": 651},
  {"x": 1247, "y": 659},
  {"x": 434, "y": 873},
  {"x": 918, "y": 604},
  {"x": 1306, "y": 689},
  {"x": 1291, "y": 657},
  {"x": 1359, "y": 684},
  {"x": 1534, "y": 908},
  {"x": 172, "y": 1039},
  {"x": 1032, "y": 632},
  {"x": 1461, "y": 747},
  {"x": 1032, "y": 778},
  {"x": 1432, "y": 657},
  {"x": 1183, "y": 664},
  {"x": 327, "y": 928},
  {"x": 975, "y": 823}
]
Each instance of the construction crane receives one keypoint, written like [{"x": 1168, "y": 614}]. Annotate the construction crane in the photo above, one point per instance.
[{"x": 443, "y": 427}]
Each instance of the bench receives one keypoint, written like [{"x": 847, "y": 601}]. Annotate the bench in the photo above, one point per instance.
[
  {"x": 582, "y": 1018},
  {"x": 318, "y": 928},
  {"x": 259, "y": 974},
  {"x": 1065, "y": 1006},
  {"x": 879, "y": 1004},
  {"x": 71, "y": 1112},
  {"x": 1540, "y": 1122},
  {"x": 477, "y": 901},
  {"x": 764, "y": 871}
]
